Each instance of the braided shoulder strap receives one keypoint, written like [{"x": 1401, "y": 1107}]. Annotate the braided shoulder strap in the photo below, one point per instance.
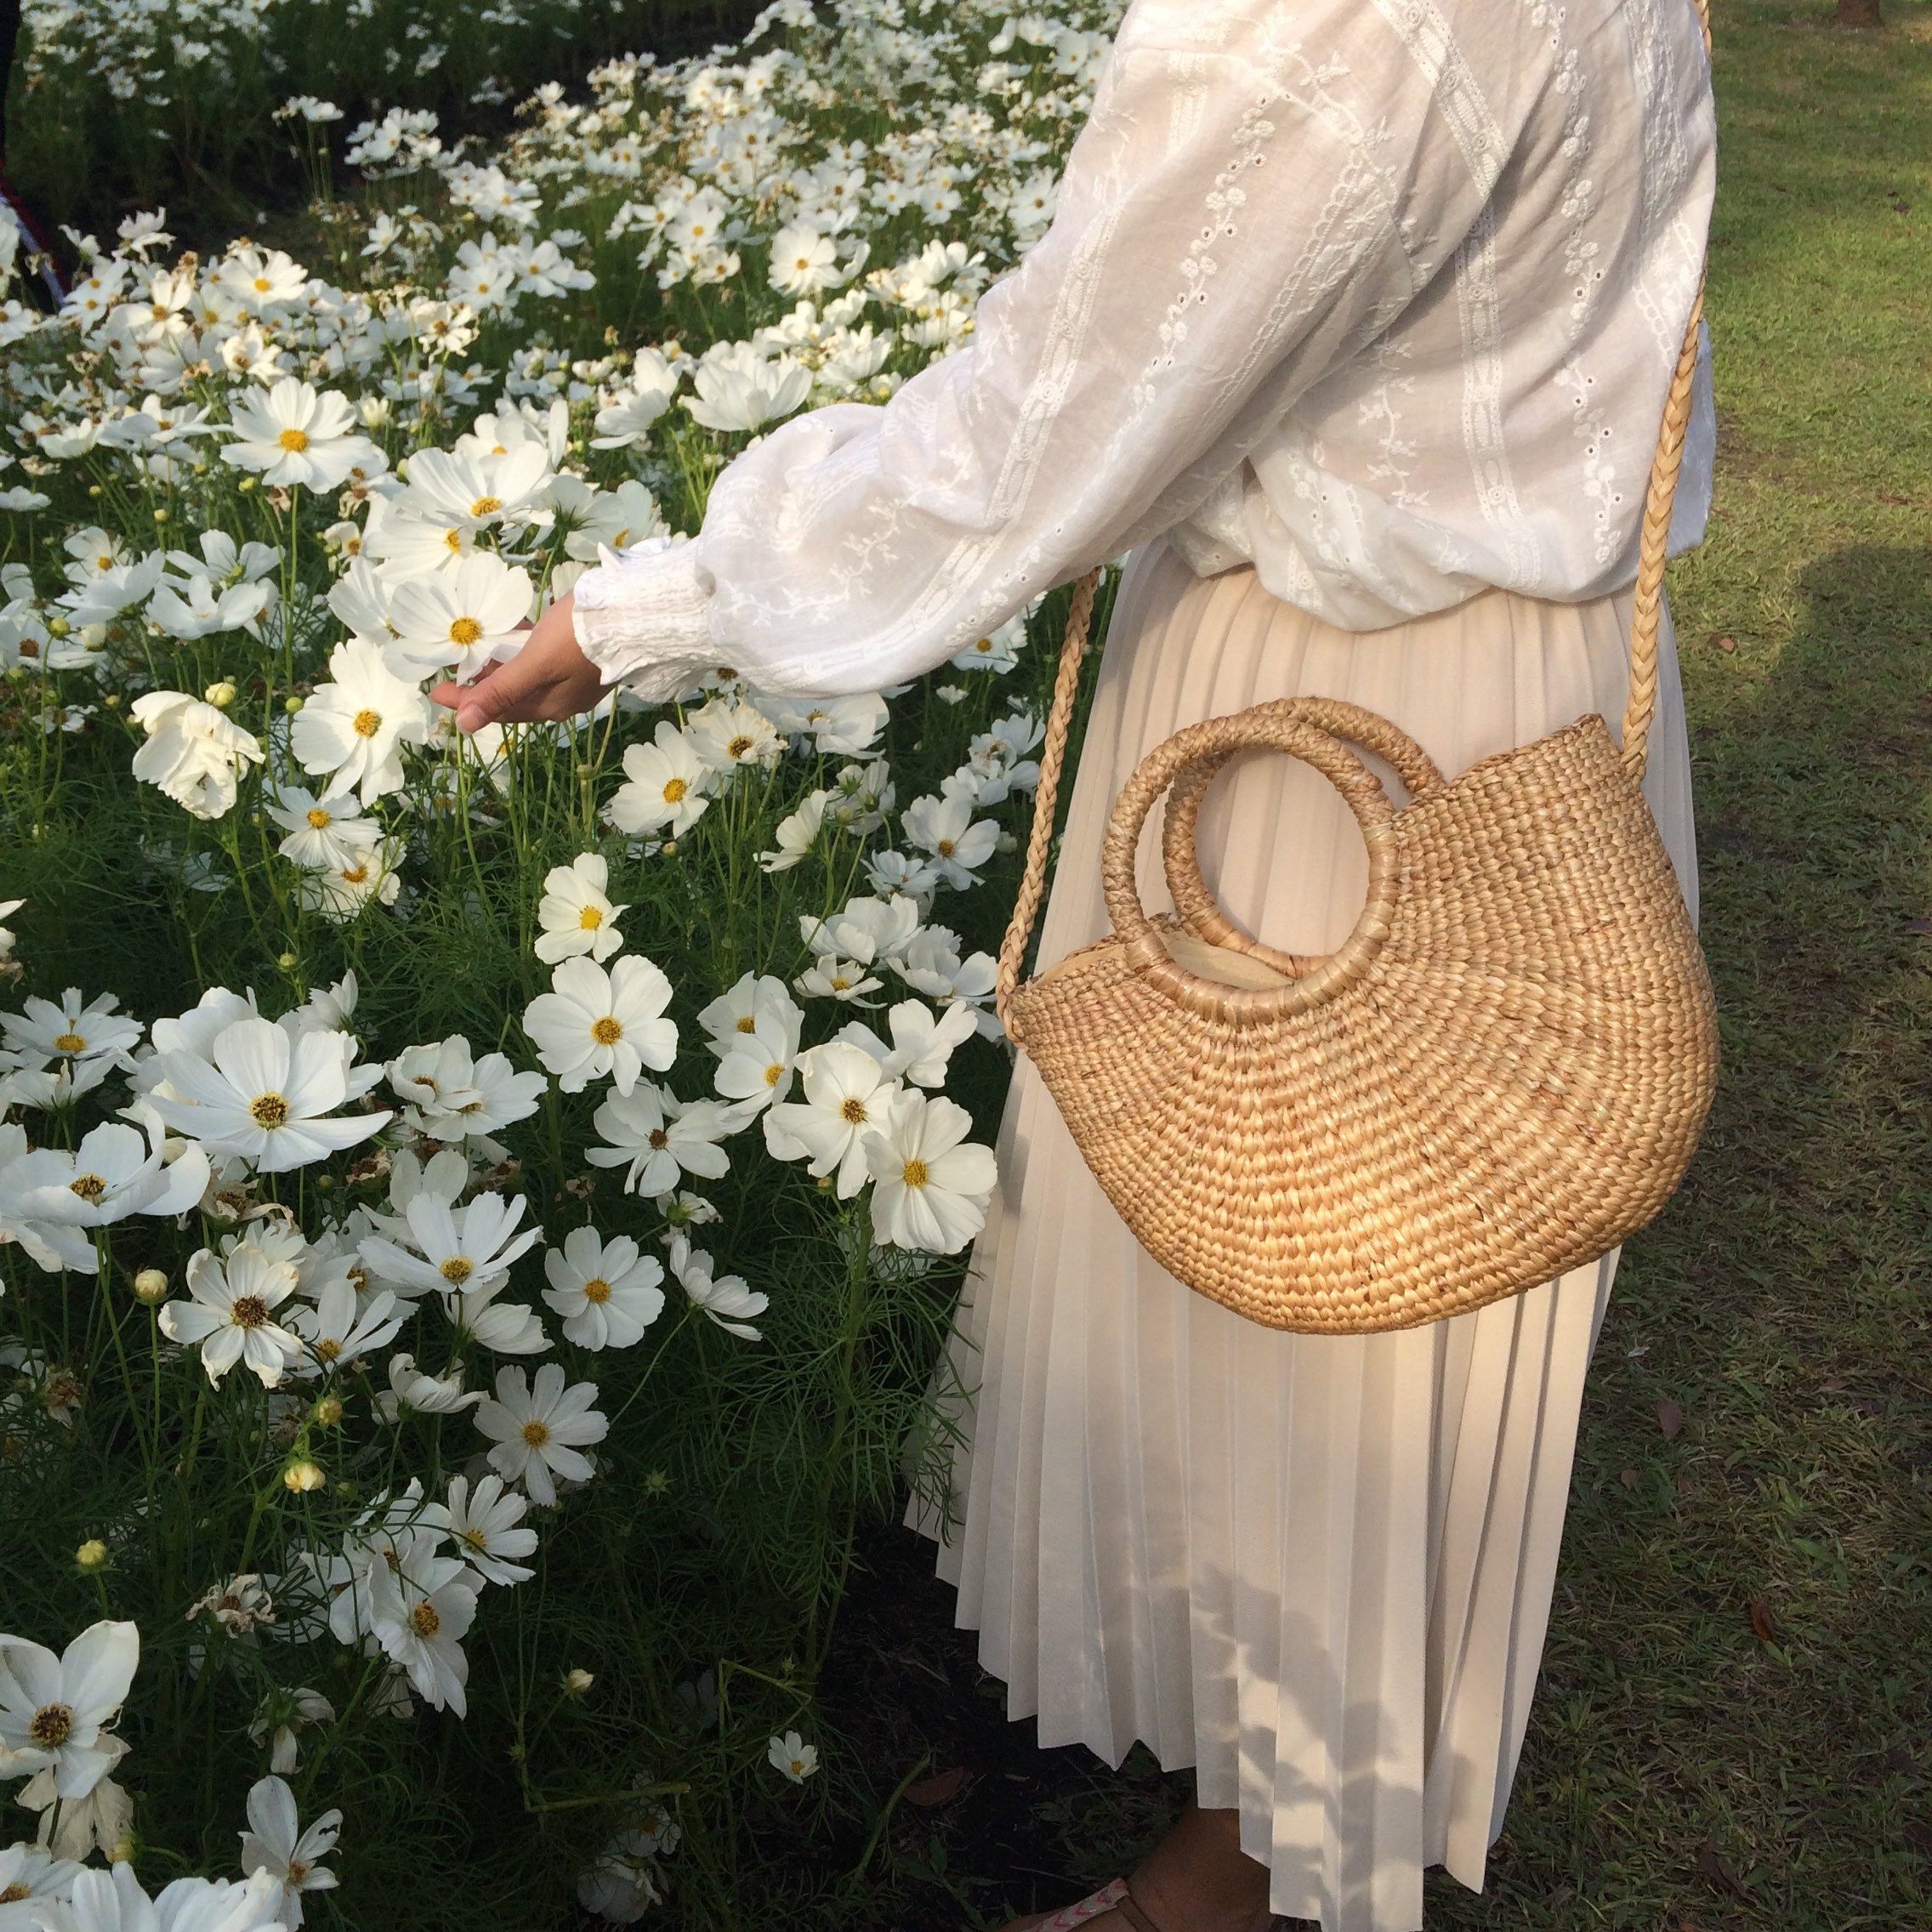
[{"x": 1640, "y": 708}]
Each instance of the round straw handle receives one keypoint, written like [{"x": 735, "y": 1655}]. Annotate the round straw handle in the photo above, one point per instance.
[{"x": 1277, "y": 727}]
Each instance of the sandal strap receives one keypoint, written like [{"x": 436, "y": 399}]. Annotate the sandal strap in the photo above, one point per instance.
[
  {"x": 1131, "y": 1913},
  {"x": 1108, "y": 1899}
]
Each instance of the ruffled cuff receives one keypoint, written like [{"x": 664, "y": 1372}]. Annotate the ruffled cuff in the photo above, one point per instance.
[{"x": 643, "y": 618}]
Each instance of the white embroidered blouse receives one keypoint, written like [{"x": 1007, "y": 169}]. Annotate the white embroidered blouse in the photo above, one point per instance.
[{"x": 1380, "y": 296}]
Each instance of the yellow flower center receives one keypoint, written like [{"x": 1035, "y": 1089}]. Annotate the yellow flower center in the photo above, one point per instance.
[
  {"x": 597, "y": 1289},
  {"x": 536, "y": 1433},
  {"x": 327, "y": 1348},
  {"x": 51, "y": 1725},
  {"x": 424, "y": 1617},
  {"x": 475, "y": 1538},
  {"x": 840, "y": 985},
  {"x": 739, "y": 746},
  {"x": 297, "y": 1868},
  {"x": 269, "y": 1110},
  {"x": 317, "y": 817},
  {"x": 674, "y": 789},
  {"x": 606, "y": 1031},
  {"x": 914, "y": 1173},
  {"x": 945, "y": 847},
  {"x": 774, "y": 1073},
  {"x": 457, "y": 1269},
  {"x": 89, "y": 1187},
  {"x": 747, "y": 1023},
  {"x": 263, "y": 285},
  {"x": 70, "y": 1043},
  {"x": 248, "y": 1311},
  {"x": 354, "y": 875},
  {"x": 983, "y": 644},
  {"x": 294, "y": 441},
  {"x": 452, "y": 539},
  {"x": 465, "y": 631},
  {"x": 485, "y": 506},
  {"x": 367, "y": 723},
  {"x": 589, "y": 919}
]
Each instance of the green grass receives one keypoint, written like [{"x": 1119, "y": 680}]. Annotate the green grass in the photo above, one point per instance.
[{"x": 1685, "y": 1771}]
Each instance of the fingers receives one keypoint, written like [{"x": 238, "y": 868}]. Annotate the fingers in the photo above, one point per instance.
[{"x": 505, "y": 694}]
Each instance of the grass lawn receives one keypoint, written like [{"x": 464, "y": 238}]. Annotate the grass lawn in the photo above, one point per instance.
[{"x": 1731, "y": 1732}]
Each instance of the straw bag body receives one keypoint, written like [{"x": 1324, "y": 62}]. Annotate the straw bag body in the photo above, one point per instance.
[{"x": 1500, "y": 1075}]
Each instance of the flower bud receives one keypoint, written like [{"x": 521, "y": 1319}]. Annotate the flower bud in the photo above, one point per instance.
[
  {"x": 58, "y": 627},
  {"x": 577, "y": 1683},
  {"x": 291, "y": 705},
  {"x": 220, "y": 694},
  {"x": 286, "y": 962},
  {"x": 151, "y": 1285},
  {"x": 302, "y": 1476},
  {"x": 329, "y": 1410},
  {"x": 92, "y": 1555},
  {"x": 161, "y": 516}
]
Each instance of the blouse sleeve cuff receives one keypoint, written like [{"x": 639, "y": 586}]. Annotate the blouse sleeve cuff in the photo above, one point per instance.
[{"x": 643, "y": 618}]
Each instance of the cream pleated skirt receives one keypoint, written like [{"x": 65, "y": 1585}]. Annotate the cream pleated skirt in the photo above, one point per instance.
[{"x": 1318, "y": 1569}]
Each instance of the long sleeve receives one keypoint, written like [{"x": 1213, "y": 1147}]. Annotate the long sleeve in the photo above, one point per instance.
[{"x": 1261, "y": 191}]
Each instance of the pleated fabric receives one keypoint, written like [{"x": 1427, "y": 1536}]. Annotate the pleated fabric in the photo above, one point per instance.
[{"x": 1318, "y": 1569}]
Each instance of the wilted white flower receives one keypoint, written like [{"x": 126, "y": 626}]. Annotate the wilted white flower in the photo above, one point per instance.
[
  {"x": 280, "y": 1719},
  {"x": 194, "y": 752},
  {"x": 541, "y": 1429},
  {"x": 428, "y": 1394}
]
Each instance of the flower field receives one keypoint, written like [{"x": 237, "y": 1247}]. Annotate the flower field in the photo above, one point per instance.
[{"x": 478, "y": 1217}]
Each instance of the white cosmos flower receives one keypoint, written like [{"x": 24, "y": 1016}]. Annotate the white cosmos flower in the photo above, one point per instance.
[
  {"x": 293, "y": 435},
  {"x": 322, "y": 832},
  {"x": 353, "y": 727},
  {"x": 575, "y": 916},
  {"x": 461, "y": 618},
  {"x": 55, "y": 1710},
  {"x": 725, "y": 1299},
  {"x": 592, "y": 1023},
  {"x": 29, "y": 1872},
  {"x": 196, "y": 608},
  {"x": 606, "y": 519},
  {"x": 449, "y": 1096},
  {"x": 476, "y": 487},
  {"x": 846, "y": 1092},
  {"x": 232, "y": 1314},
  {"x": 193, "y": 753},
  {"x": 727, "y": 733},
  {"x": 340, "y": 892},
  {"x": 998, "y": 651},
  {"x": 275, "y": 1844},
  {"x": 266, "y": 1096},
  {"x": 541, "y": 1429},
  {"x": 797, "y": 834},
  {"x": 486, "y": 1527},
  {"x": 737, "y": 1011},
  {"x": 115, "y": 1172},
  {"x": 419, "y": 1612},
  {"x": 341, "y": 1327},
  {"x": 77, "y": 1029},
  {"x": 832, "y": 978},
  {"x": 836, "y": 725},
  {"x": 754, "y": 1069},
  {"x": 464, "y": 1250},
  {"x": 666, "y": 785},
  {"x": 922, "y": 1043},
  {"x": 504, "y": 1327},
  {"x": 607, "y": 1291},
  {"x": 932, "y": 966},
  {"x": 894, "y": 875},
  {"x": 945, "y": 828},
  {"x": 868, "y": 930},
  {"x": 793, "y": 1756},
  {"x": 627, "y": 419},
  {"x": 660, "y": 1138},
  {"x": 739, "y": 387},
  {"x": 931, "y": 1185},
  {"x": 428, "y": 1394},
  {"x": 113, "y": 1901},
  {"x": 804, "y": 262}
]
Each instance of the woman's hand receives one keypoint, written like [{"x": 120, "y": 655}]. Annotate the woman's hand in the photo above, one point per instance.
[{"x": 550, "y": 678}]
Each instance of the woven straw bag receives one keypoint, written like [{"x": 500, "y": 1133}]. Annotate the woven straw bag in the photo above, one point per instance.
[{"x": 1500, "y": 1075}]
